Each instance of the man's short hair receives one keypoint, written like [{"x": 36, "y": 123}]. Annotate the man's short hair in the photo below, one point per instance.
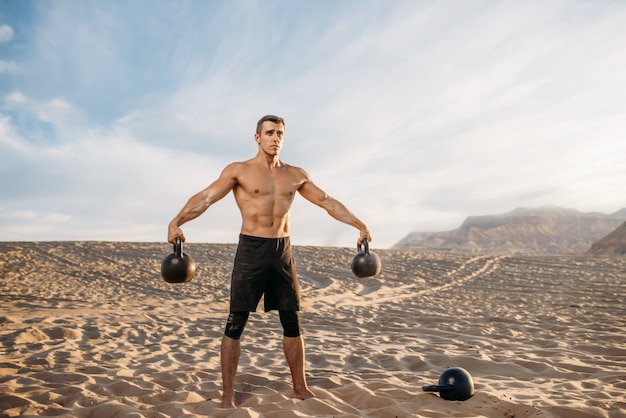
[{"x": 268, "y": 118}]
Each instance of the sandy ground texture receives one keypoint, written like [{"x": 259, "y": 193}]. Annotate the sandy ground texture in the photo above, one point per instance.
[{"x": 89, "y": 329}]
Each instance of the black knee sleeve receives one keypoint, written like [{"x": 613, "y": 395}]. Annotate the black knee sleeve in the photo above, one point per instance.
[
  {"x": 290, "y": 322},
  {"x": 235, "y": 324}
]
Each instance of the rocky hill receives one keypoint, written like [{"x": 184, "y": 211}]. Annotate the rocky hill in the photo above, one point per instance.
[
  {"x": 612, "y": 244},
  {"x": 545, "y": 230}
]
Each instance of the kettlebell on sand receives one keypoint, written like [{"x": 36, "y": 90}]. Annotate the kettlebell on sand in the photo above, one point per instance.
[
  {"x": 455, "y": 384},
  {"x": 178, "y": 267},
  {"x": 365, "y": 263}
]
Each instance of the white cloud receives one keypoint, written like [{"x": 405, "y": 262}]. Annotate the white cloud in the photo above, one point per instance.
[
  {"x": 58, "y": 112},
  {"x": 7, "y": 67},
  {"x": 107, "y": 185},
  {"x": 6, "y": 33}
]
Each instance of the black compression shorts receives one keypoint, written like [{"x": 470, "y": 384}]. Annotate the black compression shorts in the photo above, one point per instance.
[{"x": 264, "y": 266}]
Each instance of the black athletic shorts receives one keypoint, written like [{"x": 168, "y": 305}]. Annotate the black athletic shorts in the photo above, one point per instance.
[{"x": 264, "y": 266}]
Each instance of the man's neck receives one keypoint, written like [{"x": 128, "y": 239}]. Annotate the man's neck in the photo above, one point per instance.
[{"x": 270, "y": 161}]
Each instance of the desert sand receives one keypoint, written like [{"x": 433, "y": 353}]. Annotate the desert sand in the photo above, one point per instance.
[{"x": 89, "y": 329}]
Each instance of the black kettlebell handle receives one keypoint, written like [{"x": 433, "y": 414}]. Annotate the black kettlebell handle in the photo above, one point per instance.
[
  {"x": 434, "y": 388},
  {"x": 365, "y": 244},
  {"x": 178, "y": 247}
]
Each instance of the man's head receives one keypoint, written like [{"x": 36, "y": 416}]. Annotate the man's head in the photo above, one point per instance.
[
  {"x": 270, "y": 134},
  {"x": 268, "y": 118}
]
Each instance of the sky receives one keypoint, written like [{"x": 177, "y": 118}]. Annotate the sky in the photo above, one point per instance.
[{"x": 414, "y": 114}]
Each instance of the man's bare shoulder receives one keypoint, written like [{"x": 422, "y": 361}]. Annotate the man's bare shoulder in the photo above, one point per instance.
[
  {"x": 298, "y": 176},
  {"x": 240, "y": 166},
  {"x": 297, "y": 171},
  {"x": 243, "y": 165}
]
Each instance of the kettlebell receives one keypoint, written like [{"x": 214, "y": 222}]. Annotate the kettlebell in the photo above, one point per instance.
[
  {"x": 365, "y": 263},
  {"x": 455, "y": 384},
  {"x": 178, "y": 267}
]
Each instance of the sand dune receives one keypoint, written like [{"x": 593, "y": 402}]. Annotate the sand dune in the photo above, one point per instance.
[{"x": 89, "y": 329}]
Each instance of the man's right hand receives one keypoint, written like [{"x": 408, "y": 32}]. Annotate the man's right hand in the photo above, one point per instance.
[{"x": 174, "y": 232}]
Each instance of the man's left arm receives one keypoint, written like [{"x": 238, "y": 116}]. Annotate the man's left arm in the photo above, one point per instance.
[{"x": 335, "y": 208}]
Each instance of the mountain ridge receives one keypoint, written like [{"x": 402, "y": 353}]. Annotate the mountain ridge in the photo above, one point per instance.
[
  {"x": 612, "y": 244},
  {"x": 525, "y": 230}
]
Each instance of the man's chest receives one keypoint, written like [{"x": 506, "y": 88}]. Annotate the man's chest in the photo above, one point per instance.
[{"x": 277, "y": 182}]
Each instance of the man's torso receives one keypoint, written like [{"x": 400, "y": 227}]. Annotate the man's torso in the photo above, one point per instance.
[{"x": 264, "y": 196}]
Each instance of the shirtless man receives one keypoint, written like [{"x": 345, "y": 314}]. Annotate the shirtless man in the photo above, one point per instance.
[{"x": 264, "y": 188}]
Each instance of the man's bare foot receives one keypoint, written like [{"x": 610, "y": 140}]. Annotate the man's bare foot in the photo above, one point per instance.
[
  {"x": 303, "y": 394},
  {"x": 228, "y": 402}
]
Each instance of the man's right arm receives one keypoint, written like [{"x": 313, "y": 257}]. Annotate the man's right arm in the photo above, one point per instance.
[{"x": 202, "y": 200}]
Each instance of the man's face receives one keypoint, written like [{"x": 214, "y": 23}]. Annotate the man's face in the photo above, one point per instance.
[{"x": 271, "y": 137}]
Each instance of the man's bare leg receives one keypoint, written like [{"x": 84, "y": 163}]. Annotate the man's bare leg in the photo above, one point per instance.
[
  {"x": 293, "y": 348},
  {"x": 230, "y": 358}
]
